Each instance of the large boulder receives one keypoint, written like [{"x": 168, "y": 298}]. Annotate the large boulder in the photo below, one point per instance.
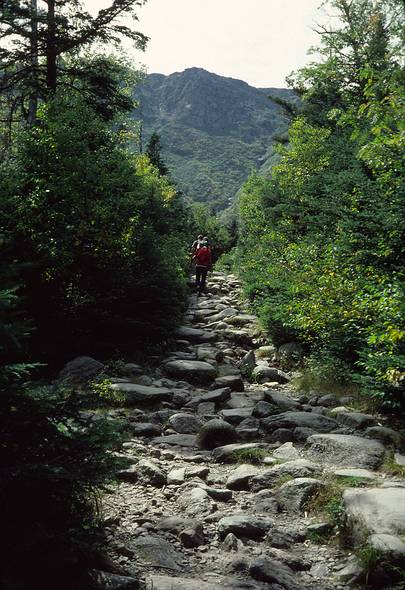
[
  {"x": 192, "y": 371},
  {"x": 216, "y": 433},
  {"x": 345, "y": 450},
  {"x": 134, "y": 394},
  {"x": 243, "y": 525},
  {"x": 281, "y": 400},
  {"x": 81, "y": 369},
  {"x": 278, "y": 574},
  {"x": 291, "y": 420},
  {"x": 185, "y": 423},
  {"x": 262, "y": 373},
  {"x": 374, "y": 511},
  {"x": 240, "y": 477}
]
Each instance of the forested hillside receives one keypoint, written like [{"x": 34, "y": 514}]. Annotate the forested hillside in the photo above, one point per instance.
[
  {"x": 214, "y": 130},
  {"x": 321, "y": 239}
]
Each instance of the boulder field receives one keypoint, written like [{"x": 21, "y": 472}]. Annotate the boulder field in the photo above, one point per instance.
[{"x": 236, "y": 480}]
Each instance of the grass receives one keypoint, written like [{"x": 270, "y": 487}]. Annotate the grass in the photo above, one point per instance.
[
  {"x": 328, "y": 502},
  {"x": 253, "y": 456},
  {"x": 282, "y": 480},
  {"x": 391, "y": 467}
]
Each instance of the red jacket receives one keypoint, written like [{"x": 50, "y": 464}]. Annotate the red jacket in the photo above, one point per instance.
[{"x": 203, "y": 256}]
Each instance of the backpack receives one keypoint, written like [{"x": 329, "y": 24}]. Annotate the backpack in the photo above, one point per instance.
[{"x": 203, "y": 256}]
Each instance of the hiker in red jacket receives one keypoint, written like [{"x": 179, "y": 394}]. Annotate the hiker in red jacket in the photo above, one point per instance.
[{"x": 203, "y": 262}]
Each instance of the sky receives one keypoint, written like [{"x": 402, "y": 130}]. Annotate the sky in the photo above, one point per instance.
[{"x": 258, "y": 41}]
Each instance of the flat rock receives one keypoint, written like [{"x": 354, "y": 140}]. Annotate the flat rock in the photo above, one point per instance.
[
  {"x": 293, "y": 495},
  {"x": 99, "y": 580},
  {"x": 243, "y": 525},
  {"x": 220, "y": 583},
  {"x": 194, "y": 335},
  {"x": 135, "y": 394},
  {"x": 196, "y": 502},
  {"x": 374, "y": 511},
  {"x": 153, "y": 551},
  {"x": 150, "y": 473},
  {"x": 147, "y": 429},
  {"x": 356, "y": 473},
  {"x": 181, "y": 440},
  {"x": 216, "y": 395},
  {"x": 356, "y": 420},
  {"x": 235, "y": 382},
  {"x": 281, "y": 400},
  {"x": 290, "y": 420},
  {"x": 193, "y": 371},
  {"x": 240, "y": 477},
  {"x": 297, "y": 468},
  {"x": 287, "y": 451},
  {"x": 345, "y": 450},
  {"x": 271, "y": 571},
  {"x": 236, "y": 415}
]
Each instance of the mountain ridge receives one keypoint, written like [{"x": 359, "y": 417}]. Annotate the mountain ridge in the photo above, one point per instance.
[{"x": 214, "y": 130}]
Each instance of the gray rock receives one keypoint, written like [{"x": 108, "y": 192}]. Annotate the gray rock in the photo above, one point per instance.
[
  {"x": 185, "y": 423},
  {"x": 146, "y": 429},
  {"x": 264, "y": 502},
  {"x": 206, "y": 409},
  {"x": 387, "y": 436},
  {"x": 240, "y": 477},
  {"x": 195, "y": 336},
  {"x": 177, "y": 524},
  {"x": 290, "y": 354},
  {"x": 273, "y": 572},
  {"x": 374, "y": 511},
  {"x": 150, "y": 473},
  {"x": 262, "y": 374},
  {"x": 232, "y": 543},
  {"x": 241, "y": 337},
  {"x": 232, "y": 453},
  {"x": 181, "y": 440},
  {"x": 131, "y": 370},
  {"x": 219, "y": 494},
  {"x": 389, "y": 547},
  {"x": 81, "y": 369},
  {"x": 356, "y": 473},
  {"x": 216, "y": 433},
  {"x": 99, "y": 580},
  {"x": 293, "y": 495},
  {"x": 350, "y": 571},
  {"x": 199, "y": 471},
  {"x": 283, "y": 435},
  {"x": 192, "y": 537},
  {"x": 243, "y": 525},
  {"x": 287, "y": 451},
  {"x": 235, "y": 382},
  {"x": 176, "y": 476},
  {"x": 153, "y": 551},
  {"x": 248, "y": 429},
  {"x": 193, "y": 371},
  {"x": 135, "y": 394},
  {"x": 248, "y": 362},
  {"x": 196, "y": 502},
  {"x": 345, "y": 450},
  {"x": 236, "y": 415},
  {"x": 221, "y": 583},
  {"x": 299, "y": 419},
  {"x": 263, "y": 409},
  {"x": 329, "y": 400},
  {"x": 356, "y": 420},
  {"x": 293, "y": 561},
  {"x": 266, "y": 352},
  {"x": 297, "y": 468},
  {"x": 281, "y": 400},
  {"x": 216, "y": 395}
]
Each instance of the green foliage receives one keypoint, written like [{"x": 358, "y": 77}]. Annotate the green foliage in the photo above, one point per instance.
[
  {"x": 321, "y": 246},
  {"x": 204, "y": 222},
  {"x": 249, "y": 455},
  {"x": 99, "y": 233}
]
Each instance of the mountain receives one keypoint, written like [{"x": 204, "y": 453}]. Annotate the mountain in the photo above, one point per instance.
[{"x": 214, "y": 130}]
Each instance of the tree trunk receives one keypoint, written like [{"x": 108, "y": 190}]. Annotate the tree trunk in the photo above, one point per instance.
[
  {"x": 33, "y": 101},
  {"x": 51, "y": 47}
]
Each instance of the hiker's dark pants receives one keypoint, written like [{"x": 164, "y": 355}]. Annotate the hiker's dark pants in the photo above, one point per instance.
[{"x": 201, "y": 277}]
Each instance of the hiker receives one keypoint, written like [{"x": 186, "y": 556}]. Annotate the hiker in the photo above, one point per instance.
[
  {"x": 203, "y": 262},
  {"x": 196, "y": 244}
]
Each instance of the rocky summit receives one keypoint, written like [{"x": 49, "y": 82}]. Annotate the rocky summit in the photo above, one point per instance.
[{"x": 237, "y": 483}]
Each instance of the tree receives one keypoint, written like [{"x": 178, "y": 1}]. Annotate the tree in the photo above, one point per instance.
[
  {"x": 38, "y": 41},
  {"x": 153, "y": 151}
]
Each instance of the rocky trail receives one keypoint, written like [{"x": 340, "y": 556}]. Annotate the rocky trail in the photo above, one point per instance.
[{"x": 238, "y": 483}]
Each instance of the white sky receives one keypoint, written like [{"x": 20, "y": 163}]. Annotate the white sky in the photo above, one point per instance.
[{"x": 259, "y": 41}]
